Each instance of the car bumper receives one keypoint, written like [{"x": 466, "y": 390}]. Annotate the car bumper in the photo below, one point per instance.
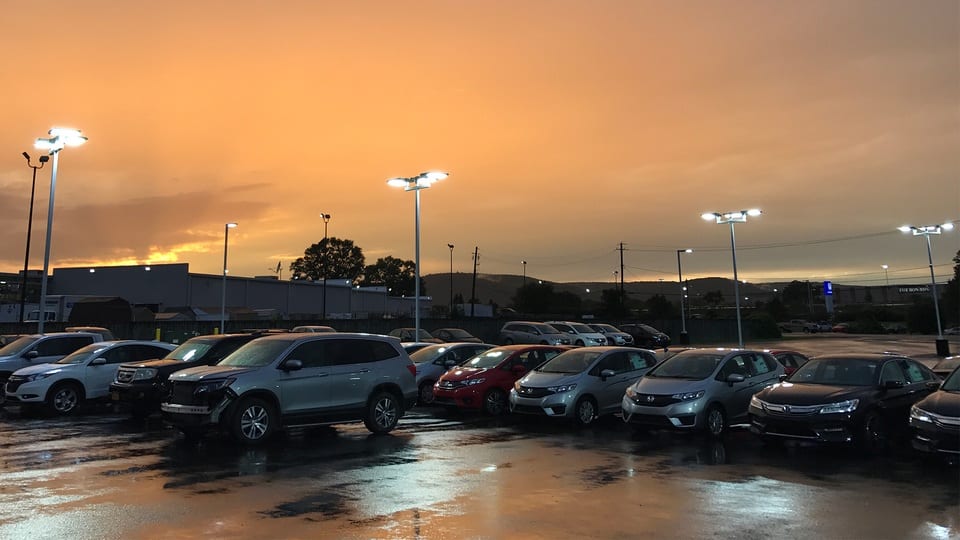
[
  {"x": 552, "y": 405},
  {"x": 27, "y": 393},
  {"x": 683, "y": 415},
  {"x": 833, "y": 428},
  {"x": 464, "y": 398},
  {"x": 933, "y": 439},
  {"x": 132, "y": 393},
  {"x": 194, "y": 416}
]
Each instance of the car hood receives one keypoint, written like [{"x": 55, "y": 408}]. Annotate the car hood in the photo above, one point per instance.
[
  {"x": 463, "y": 373},
  {"x": 787, "y": 393},
  {"x": 541, "y": 380},
  {"x": 201, "y": 373},
  {"x": 160, "y": 362},
  {"x": 667, "y": 386},
  {"x": 942, "y": 402},
  {"x": 43, "y": 368}
]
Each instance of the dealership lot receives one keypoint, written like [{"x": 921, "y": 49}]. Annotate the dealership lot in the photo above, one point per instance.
[{"x": 448, "y": 475}]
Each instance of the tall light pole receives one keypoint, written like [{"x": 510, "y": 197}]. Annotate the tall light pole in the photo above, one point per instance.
[
  {"x": 323, "y": 264},
  {"x": 416, "y": 183},
  {"x": 683, "y": 291},
  {"x": 451, "y": 279},
  {"x": 26, "y": 256},
  {"x": 59, "y": 138},
  {"x": 926, "y": 231},
  {"x": 524, "y": 263},
  {"x": 739, "y": 216},
  {"x": 223, "y": 290}
]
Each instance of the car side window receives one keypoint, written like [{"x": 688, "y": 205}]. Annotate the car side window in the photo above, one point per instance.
[
  {"x": 380, "y": 351},
  {"x": 139, "y": 353},
  {"x": 117, "y": 355},
  {"x": 637, "y": 360},
  {"x": 530, "y": 359},
  {"x": 62, "y": 346},
  {"x": 342, "y": 352},
  {"x": 913, "y": 371},
  {"x": 311, "y": 353},
  {"x": 891, "y": 372},
  {"x": 758, "y": 365},
  {"x": 616, "y": 361},
  {"x": 737, "y": 364}
]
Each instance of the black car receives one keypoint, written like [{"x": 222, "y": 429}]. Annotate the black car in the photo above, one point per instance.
[
  {"x": 646, "y": 336},
  {"x": 843, "y": 398},
  {"x": 946, "y": 366},
  {"x": 143, "y": 385},
  {"x": 936, "y": 419}
]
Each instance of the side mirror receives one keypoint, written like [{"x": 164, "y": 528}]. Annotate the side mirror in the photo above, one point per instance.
[
  {"x": 735, "y": 378},
  {"x": 607, "y": 373},
  {"x": 292, "y": 365},
  {"x": 30, "y": 355},
  {"x": 449, "y": 363},
  {"x": 783, "y": 377},
  {"x": 892, "y": 385}
]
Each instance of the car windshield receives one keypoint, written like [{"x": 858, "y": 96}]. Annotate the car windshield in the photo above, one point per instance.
[
  {"x": 837, "y": 371},
  {"x": 947, "y": 364},
  {"x": 604, "y": 328},
  {"x": 583, "y": 329},
  {"x": 81, "y": 355},
  {"x": 952, "y": 384},
  {"x": 650, "y": 329},
  {"x": 190, "y": 350},
  {"x": 458, "y": 333},
  {"x": 16, "y": 347},
  {"x": 429, "y": 354},
  {"x": 489, "y": 359},
  {"x": 570, "y": 362},
  {"x": 545, "y": 329},
  {"x": 257, "y": 353},
  {"x": 688, "y": 365}
]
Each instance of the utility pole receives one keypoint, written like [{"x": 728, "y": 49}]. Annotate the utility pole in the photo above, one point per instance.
[
  {"x": 473, "y": 288},
  {"x": 622, "y": 294}
]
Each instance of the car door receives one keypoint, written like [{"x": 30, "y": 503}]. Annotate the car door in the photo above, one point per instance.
[
  {"x": 102, "y": 369},
  {"x": 352, "y": 368},
  {"x": 735, "y": 396},
  {"x": 303, "y": 391},
  {"x": 609, "y": 391},
  {"x": 896, "y": 394}
]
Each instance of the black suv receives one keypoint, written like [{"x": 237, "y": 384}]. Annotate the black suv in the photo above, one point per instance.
[
  {"x": 646, "y": 336},
  {"x": 143, "y": 385}
]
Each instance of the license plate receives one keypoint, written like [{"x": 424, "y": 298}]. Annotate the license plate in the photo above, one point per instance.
[{"x": 115, "y": 396}]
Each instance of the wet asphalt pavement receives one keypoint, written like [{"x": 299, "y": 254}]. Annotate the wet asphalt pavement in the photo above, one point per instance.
[{"x": 444, "y": 475}]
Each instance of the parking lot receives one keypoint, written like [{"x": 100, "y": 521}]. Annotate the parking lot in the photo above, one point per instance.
[{"x": 101, "y": 474}]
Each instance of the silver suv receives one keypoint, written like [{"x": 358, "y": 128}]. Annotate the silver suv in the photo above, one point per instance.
[
  {"x": 535, "y": 333},
  {"x": 297, "y": 379}
]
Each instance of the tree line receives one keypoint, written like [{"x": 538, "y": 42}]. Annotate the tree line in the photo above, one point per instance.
[{"x": 340, "y": 258}]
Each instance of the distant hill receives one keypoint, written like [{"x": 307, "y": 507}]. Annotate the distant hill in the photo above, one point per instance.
[{"x": 501, "y": 288}]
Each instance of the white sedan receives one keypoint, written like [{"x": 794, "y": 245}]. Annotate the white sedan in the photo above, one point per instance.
[{"x": 85, "y": 374}]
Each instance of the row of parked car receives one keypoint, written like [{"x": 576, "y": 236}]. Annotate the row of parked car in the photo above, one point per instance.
[{"x": 252, "y": 384}]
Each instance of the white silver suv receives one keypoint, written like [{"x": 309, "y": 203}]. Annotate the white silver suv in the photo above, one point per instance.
[
  {"x": 295, "y": 379},
  {"x": 580, "y": 334}
]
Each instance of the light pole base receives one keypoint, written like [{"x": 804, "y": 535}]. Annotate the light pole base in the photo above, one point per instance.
[
  {"x": 683, "y": 339},
  {"x": 943, "y": 347}
]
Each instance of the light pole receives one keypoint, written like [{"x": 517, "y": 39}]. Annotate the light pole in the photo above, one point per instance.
[
  {"x": 59, "y": 138},
  {"x": 451, "y": 279},
  {"x": 415, "y": 184},
  {"x": 524, "y": 263},
  {"x": 739, "y": 216},
  {"x": 683, "y": 290},
  {"x": 323, "y": 264},
  {"x": 223, "y": 290},
  {"x": 26, "y": 256},
  {"x": 885, "y": 276},
  {"x": 926, "y": 231}
]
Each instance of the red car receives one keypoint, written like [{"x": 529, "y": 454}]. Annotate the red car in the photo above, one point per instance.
[
  {"x": 790, "y": 360},
  {"x": 484, "y": 382}
]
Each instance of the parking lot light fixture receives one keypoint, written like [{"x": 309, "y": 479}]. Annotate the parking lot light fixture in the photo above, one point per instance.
[
  {"x": 323, "y": 264},
  {"x": 58, "y": 140},
  {"x": 26, "y": 256},
  {"x": 223, "y": 290},
  {"x": 926, "y": 231},
  {"x": 417, "y": 183},
  {"x": 739, "y": 216}
]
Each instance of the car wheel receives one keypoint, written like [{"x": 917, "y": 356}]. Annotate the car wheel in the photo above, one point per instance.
[
  {"x": 716, "y": 422},
  {"x": 873, "y": 433},
  {"x": 579, "y": 343},
  {"x": 495, "y": 402},
  {"x": 383, "y": 413},
  {"x": 254, "y": 421},
  {"x": 64, "y": 398},
  {"x": 585, "y": 411},
  {"x": 426, "y": 393},
  {"x": 3, "y": 391}
]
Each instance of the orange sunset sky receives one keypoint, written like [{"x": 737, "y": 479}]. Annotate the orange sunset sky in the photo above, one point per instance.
[{"x": 567, "y": 127}]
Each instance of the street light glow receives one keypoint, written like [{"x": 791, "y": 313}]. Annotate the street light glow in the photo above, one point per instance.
[
  {"x": 739, "y": 216},
  {"x": 926, "y": 231}
]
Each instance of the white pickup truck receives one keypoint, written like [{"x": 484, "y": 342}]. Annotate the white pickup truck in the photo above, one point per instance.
[{"x": 803, "y": 325}]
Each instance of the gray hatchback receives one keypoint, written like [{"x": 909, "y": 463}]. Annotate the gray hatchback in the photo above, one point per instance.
[
  {"x": 581, "y": 384},
  {"x": 700, "y": 389}
]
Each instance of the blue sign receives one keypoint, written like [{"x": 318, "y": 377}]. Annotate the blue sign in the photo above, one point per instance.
[{"x": 827, "y": 288}]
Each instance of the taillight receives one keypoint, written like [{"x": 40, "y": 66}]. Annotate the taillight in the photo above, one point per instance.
[{"x": 412, "y": 369}]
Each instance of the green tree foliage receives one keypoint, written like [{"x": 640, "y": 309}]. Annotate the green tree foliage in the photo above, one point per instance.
[
  {"x": 541, "y": 298},
  {"x": 776, "y": 309},
  {"x": 713, "y": 298},
  {"x": 950, "y": 296},
  {"x": 396, "y": 274},
  {"x": 613, "y": 304},
  {"x": 658, "y": 307},
  {"x": 331, "y": 257},
  {"x": 795, "y": 294}
]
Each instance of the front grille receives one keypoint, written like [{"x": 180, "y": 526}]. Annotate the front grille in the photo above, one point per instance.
[
  {"x": 651, "y": 419},
  {"x": 125, "y": 375},
  {"x": 527, "y": 409},
  {"x": 654, "y": 400},
  {"x": 14, "y": 382},
  {"x": 450, "y": 385},
  {"x": 775, "y": 409},
  {"x": 182, "y": 393},
  {"x": 791, "y": 430},
  {"x": 532, "y": 392}
]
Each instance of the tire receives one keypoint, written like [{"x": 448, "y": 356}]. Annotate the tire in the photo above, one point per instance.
[
  {"x": 495, "y": 402},
  {"x": 715, "y": 422},
  {"x": 254, "y": 421},
  {"x": 425, "y": 396},
  {"x": 383, "y": 413},
  {"x": 3, "y": 390},
  {"x": 579, "y": 343},
  {"x": 64, "y": 398},
  {"x": 585, "y": 411},
  {"x": 874, "y": 434}
]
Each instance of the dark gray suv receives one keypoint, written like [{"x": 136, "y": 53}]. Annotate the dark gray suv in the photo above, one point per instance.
[{"x": 297, "y": 379}]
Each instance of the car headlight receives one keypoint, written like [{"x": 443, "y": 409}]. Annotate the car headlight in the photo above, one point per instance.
[
  {"x": 562, "y": 388},
  {"x": 631, "y": 392},
  {"x": 841, "y": 407},
  {"x": 144, "y": 374},
  {"x": 756, "y": 403},
  {"x": 688, "y": 396},
  {"x": 471, "y": 382},
  {"x": 39, "y": 376},
  {"x": 213, "y": 386},
  {"x": 916, "y": 413}
]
